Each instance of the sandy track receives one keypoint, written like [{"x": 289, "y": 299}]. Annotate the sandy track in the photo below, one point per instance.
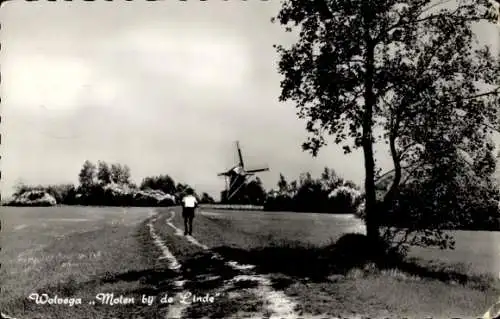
[
  {"x": 174, "y": 310},
  {"x": 276, "y": 302}
]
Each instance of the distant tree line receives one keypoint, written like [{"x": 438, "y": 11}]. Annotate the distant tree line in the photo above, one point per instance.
[
  {"x": 110, "y": 185},
  {"x": 446, "y": 196},
  {"x": 329, "y": 193}
]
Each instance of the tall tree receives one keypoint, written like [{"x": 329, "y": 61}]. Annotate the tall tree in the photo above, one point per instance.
[
  {"x": 115, "y": 172},
  {"x": 87, "y": 176},
  {"x": 125, "y": 175},
  {"x": 330, "y": 180},
  {"x": 282, "y": 185},
  {"x": 103, "y": 172},
  {"x": 120, "y": 174},
  {"x": 254, "y": 192},
  {"x": 407, "y": 68},
  {"x": 293, "y": 188},
  {"x": 310, "y": 194},
  {"x": 305, "y": 179}
]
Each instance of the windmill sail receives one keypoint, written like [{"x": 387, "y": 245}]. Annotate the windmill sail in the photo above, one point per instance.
[
  {"x": 258, "y": 170},
  {"x": 239, "y": 154},
  {"x": 237, "y": 178}
]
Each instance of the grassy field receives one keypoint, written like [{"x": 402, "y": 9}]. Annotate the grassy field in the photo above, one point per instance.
[
  {"x": 72, "y": 252},
  {"x": 476, "y": 252},
  {"x": 79, "y": 252},
  {"x": 292, "y": 247}
]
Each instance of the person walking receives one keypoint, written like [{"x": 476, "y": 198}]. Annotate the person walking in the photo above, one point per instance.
[{"x": 189, "y": 204}]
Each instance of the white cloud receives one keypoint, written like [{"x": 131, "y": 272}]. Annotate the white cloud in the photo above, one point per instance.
[
  {"x": 33, "y": 81},
  {"x": 203, "y": 60},
  {"x": 104, "y": 91},
  {"x": 54, "y": 83}
]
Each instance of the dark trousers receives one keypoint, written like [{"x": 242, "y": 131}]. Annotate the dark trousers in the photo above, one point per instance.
[{"x": 188, "y": 215}]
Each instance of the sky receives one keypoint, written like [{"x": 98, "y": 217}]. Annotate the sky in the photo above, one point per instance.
[{"x": 164, "y": 87}]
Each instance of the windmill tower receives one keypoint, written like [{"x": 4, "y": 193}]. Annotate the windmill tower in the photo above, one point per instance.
[{"x": 236, "y": 178}]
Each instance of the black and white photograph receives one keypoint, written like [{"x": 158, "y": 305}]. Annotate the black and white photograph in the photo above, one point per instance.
[{"x": 250, "y": 159}]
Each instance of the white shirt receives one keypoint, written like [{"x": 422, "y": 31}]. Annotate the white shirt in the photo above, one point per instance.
[{"x": 189, "y": 201}]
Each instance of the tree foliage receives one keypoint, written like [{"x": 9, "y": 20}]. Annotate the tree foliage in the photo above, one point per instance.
[
  {"x": 111, "y": 185},
  {"x": 120, "y": 174},
  {"x": 251, "y": 192},
  {"x": 181, "y": 190},
  {"x": 165, "y": 183},
  {"x": 206, "y": 199},
  {"x": 88, "y": 175},
  {"x": 254, "y": 192},
  {"x": 103, "y": 173},
  {"x": 62, "y": 193},
  {"x": 409, "y": 69},
  {"x": 310, "y": 194},
  {"x": 283, "y": 187}
]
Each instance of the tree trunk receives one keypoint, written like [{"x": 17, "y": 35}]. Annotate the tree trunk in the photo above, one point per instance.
[
  {"x": 393, "y": 190},
  {"x": 372, "y": 224}
]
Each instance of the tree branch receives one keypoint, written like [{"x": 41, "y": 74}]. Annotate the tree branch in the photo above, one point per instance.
[
  {"x": 406, "y": 148},
  {"x": 493, "y": 92},
  {"x": 410, "y": 173},
  {"x": 395, "y": 160},
  {"x": 402, "y": 24},
  {"x": 384, "y": 175}
]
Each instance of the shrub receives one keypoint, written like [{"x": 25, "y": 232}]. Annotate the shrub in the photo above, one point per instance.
[
  {"x": 344, "y": 200},
  {"x": 206, "y": 199},
  {"x": 278, "y": 202},
  {"x": 358, "y": 251},
  {"x": 33, "y": 198},
  {"x": 63, "y": 193}
]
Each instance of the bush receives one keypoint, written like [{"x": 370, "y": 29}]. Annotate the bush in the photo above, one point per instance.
[
  {"x": 278, "y": 202},
  {"x": 33, "y": 198},
  {"x": 312, "y": 197},
  {"x": 206, "y": 199},
  {"x": 114, "y": 194},
  {"x": 165, "y": 183},
  {"x": 450, "y": 206},
  {"x": 63, "y": 193},
  {"x": 344, "y": 200},
  {"x": 167, "y": 200},
  {"x": 107, "y": 186},
  {"x": 357, "y": 250},
  {"x": 143, "y": 198},
  {"x": 91, "y": 195},
  {"x": 328, "y": 194}
]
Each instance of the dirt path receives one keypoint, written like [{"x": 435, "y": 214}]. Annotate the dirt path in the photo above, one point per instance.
[
  {"x": 175, "y": 310},
  {"x": 276, "y": 302},
  {"x": 243, "y": 282}
]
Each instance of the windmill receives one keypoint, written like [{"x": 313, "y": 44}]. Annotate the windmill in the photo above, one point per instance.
[{"x": 237, "y": 177}]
